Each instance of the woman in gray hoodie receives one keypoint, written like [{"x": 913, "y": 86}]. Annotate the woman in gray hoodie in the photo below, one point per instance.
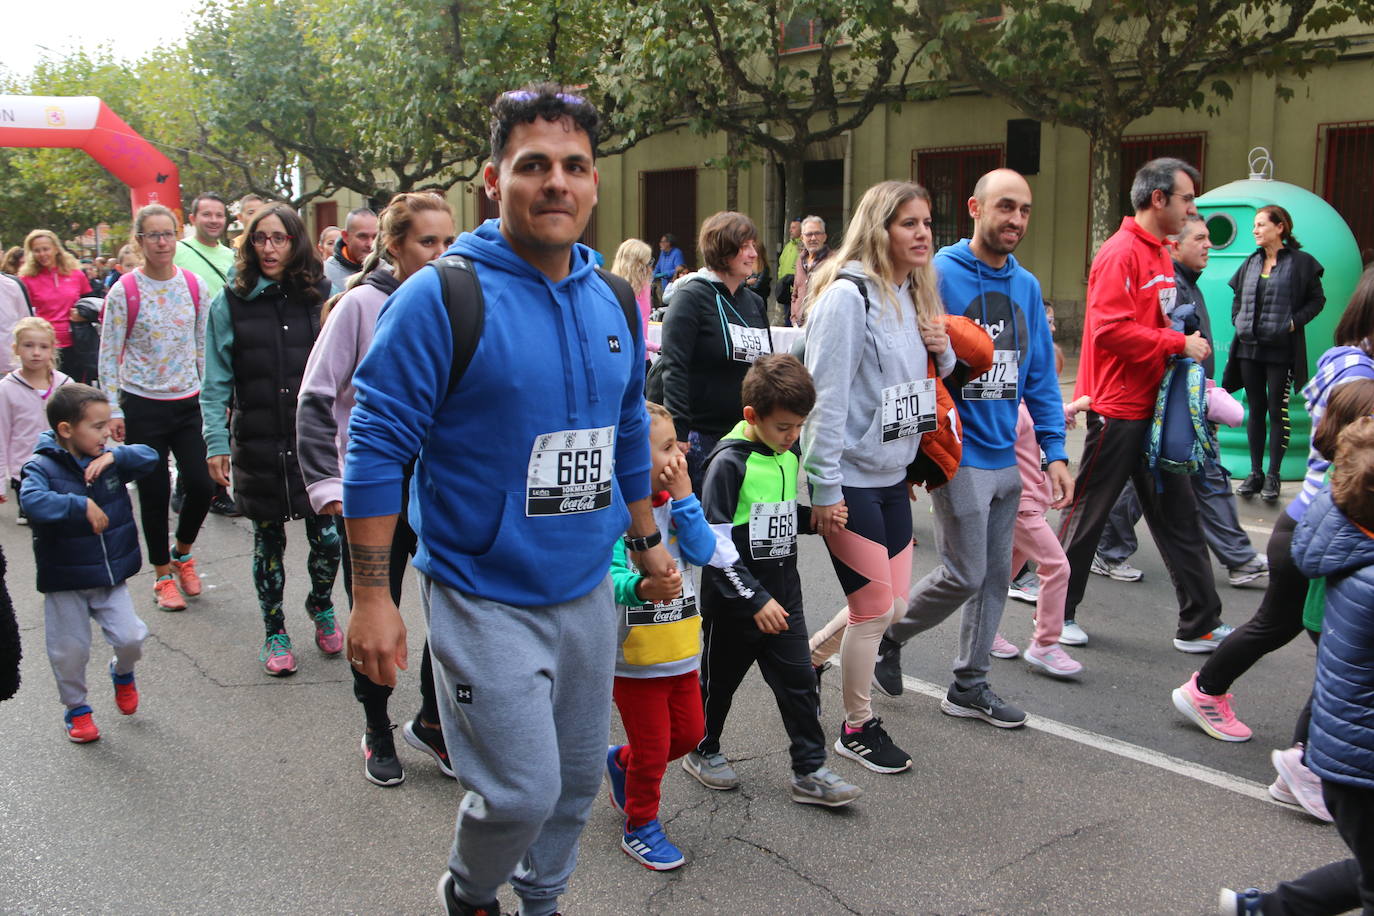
[
  {"x": 415, "y": 229},
  {"x": 874, "y": 320}
]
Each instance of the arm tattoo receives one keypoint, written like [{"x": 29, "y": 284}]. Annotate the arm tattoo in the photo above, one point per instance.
[{"x": 371, "y": 565}]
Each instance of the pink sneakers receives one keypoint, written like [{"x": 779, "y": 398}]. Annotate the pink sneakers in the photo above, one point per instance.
[
  {"x": 168, "y": 595},
  {"x": 1304, "y": 785},
  {"x": 1212, "y": 714},
  {"x": 1003, "y": 648},
  {"x": 276, "y": 655},
  {"x": 328, "y": 636},
  {"x": 1053, "y": 660}
]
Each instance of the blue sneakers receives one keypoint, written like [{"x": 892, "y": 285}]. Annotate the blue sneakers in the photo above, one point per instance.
[
  {"x": 1239, "y": 903},
  {"x": 615, "y": 775},
  {"x": 649, "y": 847}
]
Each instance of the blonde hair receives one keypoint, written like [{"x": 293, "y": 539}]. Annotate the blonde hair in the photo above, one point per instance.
[
  {"x": 65, "y": 262},
  {"x": 656, "y": 411},
  {"x": 634, "y": 261},
  {"x": 866, "y": 241},
  {"x": 38, "y": 325}
]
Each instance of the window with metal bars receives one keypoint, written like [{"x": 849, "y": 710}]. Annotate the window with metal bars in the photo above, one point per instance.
[
  {"x": 949, "y": 174},
  {"x": 1344, "y": 153}
]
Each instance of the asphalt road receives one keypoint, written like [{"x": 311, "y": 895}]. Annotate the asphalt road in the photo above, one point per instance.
[{"x": 232, "y": 792}]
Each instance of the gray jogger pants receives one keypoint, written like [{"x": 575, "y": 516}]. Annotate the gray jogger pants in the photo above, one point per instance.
[
  {"x": 975, "y": 515},
  {"x": 525, "y": 699},
  {"x": 67, "y": 624}
]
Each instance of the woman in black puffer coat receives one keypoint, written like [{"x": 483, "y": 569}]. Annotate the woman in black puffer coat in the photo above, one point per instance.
[{"x": 1278, "y": 291}]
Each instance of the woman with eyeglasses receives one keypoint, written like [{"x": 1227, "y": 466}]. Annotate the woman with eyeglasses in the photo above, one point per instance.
[
  {"x": 152, "y": 360},
  {"x": 261, "y": 329}
]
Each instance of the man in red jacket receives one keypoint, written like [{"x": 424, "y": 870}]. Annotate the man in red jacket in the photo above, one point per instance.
[{"x": 1127, "y": 341}]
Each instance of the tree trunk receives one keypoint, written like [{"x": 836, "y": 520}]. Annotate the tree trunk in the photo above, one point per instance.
[
  {"x": 794, "y": 187},
  {"x": 1105, "y": 182},
  {"x": 733, "y": 149}
]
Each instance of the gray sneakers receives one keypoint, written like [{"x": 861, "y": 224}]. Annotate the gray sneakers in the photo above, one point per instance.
[
  {"x": 823, "y": 787},
  {"x": 711, "y": 770}
]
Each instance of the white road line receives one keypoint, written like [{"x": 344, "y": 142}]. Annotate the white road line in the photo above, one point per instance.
[
  {"x": 1204, "y": 774},
  {"x": 1257, "y": 529}
]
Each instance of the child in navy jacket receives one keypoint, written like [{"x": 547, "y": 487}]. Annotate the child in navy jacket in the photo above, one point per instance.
[{"x": 85, "y": 543}]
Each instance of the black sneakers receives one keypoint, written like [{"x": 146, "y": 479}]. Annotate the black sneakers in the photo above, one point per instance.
[
  {"x": 430, "y": 740},
  {"x": 887, "y": 672},
  {"x": 455, "y": 907},
  {"x": 980, "y": 702},
  {"x": 1250, "y": 485},
  {"x": 380, "y": 764},
  {"x": 223, "y": 505},
  {"x": 1270, "y": 491},
  {"x": 872, "y": 747}
]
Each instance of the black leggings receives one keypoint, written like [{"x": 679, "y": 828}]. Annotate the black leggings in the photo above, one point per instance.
[
  {"x": 1277, "y": 620},
  {"x": 169, "y": 427},
  {"x": 372, "y": 695},
  {"x": 1266, "y": 399}
]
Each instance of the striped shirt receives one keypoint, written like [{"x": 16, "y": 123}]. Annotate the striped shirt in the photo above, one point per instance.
[{"x": 1335, "y": 367}]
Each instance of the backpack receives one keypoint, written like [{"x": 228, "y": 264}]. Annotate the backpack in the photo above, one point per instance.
[
  {"x": 466, "y": 308},
  {"x": 132, "y": 300},
  {"x": 1179, "y": 435}
]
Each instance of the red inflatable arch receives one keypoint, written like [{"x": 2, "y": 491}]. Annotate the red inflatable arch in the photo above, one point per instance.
[{"x": 86, "y": 123}]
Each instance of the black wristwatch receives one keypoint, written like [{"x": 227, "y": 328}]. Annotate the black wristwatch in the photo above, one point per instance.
[{"x": 639, "y": 545}]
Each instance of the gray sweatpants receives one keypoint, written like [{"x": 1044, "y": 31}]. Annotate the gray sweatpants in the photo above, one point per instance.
[
  {"x": 975, "y": 515},
  {"x": 67, "y": 624},
  {"x": 525, "y": 700}
]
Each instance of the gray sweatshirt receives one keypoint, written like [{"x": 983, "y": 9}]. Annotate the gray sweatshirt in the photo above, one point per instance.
[{"x": 870, "y": 372}]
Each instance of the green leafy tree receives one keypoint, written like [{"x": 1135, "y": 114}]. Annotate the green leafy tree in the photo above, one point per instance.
[
  {"x": 719, "y": 65},
  {"x": 1099, "y": 65}
]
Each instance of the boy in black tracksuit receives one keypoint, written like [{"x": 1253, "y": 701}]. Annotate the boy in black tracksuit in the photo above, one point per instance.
[{"x": 752, "y": 611}]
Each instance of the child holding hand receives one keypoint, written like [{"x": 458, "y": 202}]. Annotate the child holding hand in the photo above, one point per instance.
[
  {"x": 659, "y": 651},
  {"x": 752, "y": 610}
]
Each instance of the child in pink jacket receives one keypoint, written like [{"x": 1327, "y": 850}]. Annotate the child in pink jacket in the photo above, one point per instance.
[{"x": 24, "y": 397}]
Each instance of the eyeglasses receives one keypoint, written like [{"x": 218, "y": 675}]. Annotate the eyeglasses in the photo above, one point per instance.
[
  {"x": 276, "y": 239},
  {"x": 164, "y": 236},
  {"x": 525, "y": 95},
  {"x": 1187, "y": 198},
  {"x": 812, "y": 235}
]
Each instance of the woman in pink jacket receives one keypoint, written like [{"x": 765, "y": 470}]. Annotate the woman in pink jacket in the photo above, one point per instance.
[
  {"x": 416, "y": 228},
  {"x": 55, "y": 281}
]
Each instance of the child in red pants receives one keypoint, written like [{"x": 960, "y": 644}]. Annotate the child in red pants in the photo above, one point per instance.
[{"x": 656, "y": 687}]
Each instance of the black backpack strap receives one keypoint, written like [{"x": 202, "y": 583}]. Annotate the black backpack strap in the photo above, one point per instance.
[
  {"x": 466, "y": 311},
  {"x": 626, "y": 296},
  {"x": 858, "y": 281}
]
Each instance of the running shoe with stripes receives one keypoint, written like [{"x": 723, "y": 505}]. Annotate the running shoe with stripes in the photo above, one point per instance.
[
  {"x": 823, "y": 787},
  {"x": 650, "y": 847},
  {"x": 872, "y": 747},
  {"x": 615, "y": 777},
  {"x": 1304, "y": 785},
  {"x": 1212, "y": 714},
  {"x": 448, "y": 899},
  {"x": 980, "y": 702}
]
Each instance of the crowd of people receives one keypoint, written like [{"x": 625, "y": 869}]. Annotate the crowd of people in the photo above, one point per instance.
[{"x": 293, "y": 373}]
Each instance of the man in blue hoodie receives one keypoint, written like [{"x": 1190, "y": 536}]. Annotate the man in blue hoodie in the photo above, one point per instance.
[
  {"x": 528, "y": 471},
  {"x": 975, "y": 512}
]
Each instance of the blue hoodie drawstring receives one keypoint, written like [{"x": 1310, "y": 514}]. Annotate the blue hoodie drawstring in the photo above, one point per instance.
[{"x": 983, "y": 304}]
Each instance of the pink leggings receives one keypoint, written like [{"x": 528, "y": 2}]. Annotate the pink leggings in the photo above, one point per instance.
[{"x": 1033, "y": 539}]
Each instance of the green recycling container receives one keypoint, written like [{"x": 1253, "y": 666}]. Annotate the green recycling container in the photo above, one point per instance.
[{"x": 1230, "y": 214}]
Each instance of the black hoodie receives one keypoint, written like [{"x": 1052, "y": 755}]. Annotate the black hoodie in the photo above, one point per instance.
[{"x": 703, "y": 362}]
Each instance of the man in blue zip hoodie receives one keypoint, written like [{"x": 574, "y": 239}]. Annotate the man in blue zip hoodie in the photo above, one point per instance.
[
  {"x": 975, "y": 512},
  {"x": 528, "y": 472}
]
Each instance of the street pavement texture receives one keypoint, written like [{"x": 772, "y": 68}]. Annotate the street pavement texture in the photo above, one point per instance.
[{"x": 233, "y": 792}]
